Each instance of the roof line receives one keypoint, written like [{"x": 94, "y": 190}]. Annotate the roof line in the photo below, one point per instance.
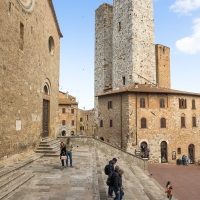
[{"x": 55, "y": 17}]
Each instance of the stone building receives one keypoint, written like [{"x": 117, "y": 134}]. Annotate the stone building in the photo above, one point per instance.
[
  {"x": 72, "y": 120},
  {"x": 160, "y": 119},
  {"x": 29, "y": 74},
  {"x": 136, "y": 109}
]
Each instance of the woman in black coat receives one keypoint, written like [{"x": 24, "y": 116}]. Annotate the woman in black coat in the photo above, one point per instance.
[{"x": 62, "y": 153}]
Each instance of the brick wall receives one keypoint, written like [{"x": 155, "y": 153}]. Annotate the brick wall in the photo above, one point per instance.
[
  {"x": 163, "y": 66},
  {"x": 133, "y": 135},
  {"x": 24, "y": 73}
]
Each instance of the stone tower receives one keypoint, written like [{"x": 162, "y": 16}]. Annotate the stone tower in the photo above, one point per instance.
[
  {"x": 103, "y": 49},
  {"x": 124, "y": 45},
  {"x": 133, "y": 43},
  {"x": 163, "y": 66}
]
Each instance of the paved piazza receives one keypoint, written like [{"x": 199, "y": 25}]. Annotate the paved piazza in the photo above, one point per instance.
[{"x": 85, "y": 181}]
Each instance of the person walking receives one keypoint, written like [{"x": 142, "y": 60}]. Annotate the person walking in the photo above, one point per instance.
[
  {"x": 120, "y": 184},
  {"x": 169, "y": 193},
  {"x": 110, "y": 168},
  {"x": 69, "y": 148},
  {"x": 116, "y": 183},
  {"x": 168, "y": 184},
  {"x": 62, "y": 153}
]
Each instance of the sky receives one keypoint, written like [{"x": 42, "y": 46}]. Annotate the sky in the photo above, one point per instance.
[{"x": 177, "y": 26}]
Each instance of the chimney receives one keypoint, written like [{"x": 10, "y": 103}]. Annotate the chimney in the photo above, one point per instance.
[{"x": 67, "y": 94}]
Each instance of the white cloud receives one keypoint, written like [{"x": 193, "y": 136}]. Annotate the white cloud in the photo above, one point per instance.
[
  {"x": 191, "y": 44},
  {"x": 185, "y": 6}
]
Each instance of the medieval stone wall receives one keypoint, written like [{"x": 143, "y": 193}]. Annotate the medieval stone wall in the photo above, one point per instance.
[
  {"x": 103, "y": 50},
  {"x": 133, "y": 43},
  {"x": 28, "y": 62},
  {"x": 163, "y": 66},
  {"x": 133, "y": 135}
]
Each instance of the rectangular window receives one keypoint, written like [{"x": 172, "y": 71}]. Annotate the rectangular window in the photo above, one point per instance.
[
  {"x": 81, "y": 119},
  {"x": 63, "y": 110},
  {"x": 111, "y": 123},
  {"x": 183, "y": 122},
  {"x": 119, "y": 26},
  {"x": 21, "y": 44},
  {"x": 86, "y": 126},
  {"x": 183, "y": 103},
  {"x": 72, "y": 111},
  {"x": 72, "y": 123},
  {"x": 87, "y": 117},
  {"x": 109, "y": 104},
  {"x": 63, "y": 122},
  {"x": 124, "y": 80},
  {"x": 194, "y": 122}
]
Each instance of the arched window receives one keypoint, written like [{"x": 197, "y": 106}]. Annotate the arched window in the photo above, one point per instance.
[
  {"x": 194, "y": 120},
  {"x": 51, "y": 45},
  {"x": 183, "y": 120},
  {"x": 142, "y": 102},
  {"x": 143, "y": 123},
  {"x": 46, "y": 90},
  {"x": 162, "y": 123},
  {"x": 182, "y": 103},
  {"x": 63, "y": 133},
  {"x": 193, "y": 104},
  {"x": 63, "y": 122},
  {"x": 101, "y": 123},
  {"x": 63, "y": 110},
  {"x": 162, "y": 103},
  {"x": 164, "y": 157}
]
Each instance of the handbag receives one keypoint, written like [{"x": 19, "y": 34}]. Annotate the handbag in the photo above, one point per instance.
[{"x": 63, "y": 157}]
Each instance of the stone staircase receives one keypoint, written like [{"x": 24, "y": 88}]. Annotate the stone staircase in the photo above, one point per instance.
[
  {"x": 137, "y": 183},
  {"x": 49, "y": 147},
  {"x": 11, "y": 178},
  {"x": 47, "y": 180}
]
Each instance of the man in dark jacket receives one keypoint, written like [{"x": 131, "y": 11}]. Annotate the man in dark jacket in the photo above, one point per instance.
[
  {"x": 116, "y": 182},
  {"x": 111, "y": 170}
]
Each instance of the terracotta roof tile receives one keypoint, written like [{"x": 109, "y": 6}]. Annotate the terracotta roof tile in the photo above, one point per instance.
[{"x": 146, "y": 88}]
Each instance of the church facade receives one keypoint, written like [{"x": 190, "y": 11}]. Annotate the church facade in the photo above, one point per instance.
[
  {"x": 29, "y": 74},
  {"x": 136, "y": 109}
]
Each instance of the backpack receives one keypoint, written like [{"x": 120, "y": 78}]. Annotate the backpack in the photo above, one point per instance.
[
  {"x": 107, "y": 169},
  {"x": 109, "y": 181}
]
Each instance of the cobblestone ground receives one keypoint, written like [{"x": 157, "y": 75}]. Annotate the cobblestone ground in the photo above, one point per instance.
[{"x": 184, "y": 179}]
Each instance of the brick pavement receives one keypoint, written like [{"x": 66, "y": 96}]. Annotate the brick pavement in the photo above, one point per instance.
[{"x": 184, "y": 179}]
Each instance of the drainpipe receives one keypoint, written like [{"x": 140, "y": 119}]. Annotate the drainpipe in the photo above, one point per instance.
[
  {"x": 121, "y": 122},
  {"x": 136, "y": 120}
]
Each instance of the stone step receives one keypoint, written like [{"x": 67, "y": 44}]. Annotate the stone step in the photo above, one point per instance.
[
  {"x": 50, "y": 147},
  {"x": 15, "y": 184},
  {"x": 6, "y": 170},
  {"x": 49, "y": 143},
  {"x": 47, "y": 151},
  {"x": 10, "y": 177},
  {"x": 137, "y": 183}
]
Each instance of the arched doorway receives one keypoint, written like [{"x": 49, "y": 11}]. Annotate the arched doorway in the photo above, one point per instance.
[
  {"x": 72, "y": 133},
  {"x": 143, "y": 149},
  {"x": 163, "y": 149},
  {"x": 63, "y": 133},
  {"x": 191, "y": 154}
]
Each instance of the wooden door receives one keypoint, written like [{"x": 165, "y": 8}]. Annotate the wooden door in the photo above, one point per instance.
[{"x": 45, "y": 132}]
